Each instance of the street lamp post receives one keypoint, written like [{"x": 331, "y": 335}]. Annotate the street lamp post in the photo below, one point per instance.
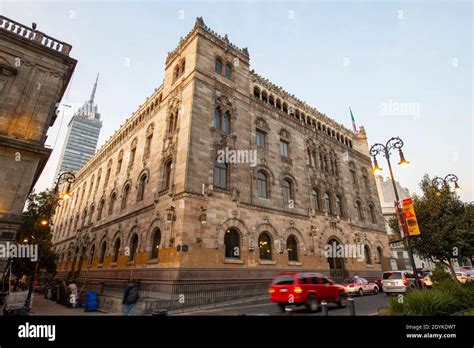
[
  {"x": 395, "y": 143},
  {"x": 450, "y": 178},
  {"x": 44, "y": 221}
]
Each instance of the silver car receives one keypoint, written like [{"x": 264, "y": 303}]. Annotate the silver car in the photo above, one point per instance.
[{"x": 398, "y": 282}]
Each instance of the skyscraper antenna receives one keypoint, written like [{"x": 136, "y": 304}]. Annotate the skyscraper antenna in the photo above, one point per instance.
[{"x": 91, "y": 100}]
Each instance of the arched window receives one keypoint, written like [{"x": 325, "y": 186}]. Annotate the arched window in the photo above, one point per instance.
[
  {"x": 92, "y": 255},
  {"x": 340, "y": 212},
  {"x": 220, "y": 174},
  {"x": 173, "y": 122},
  {"x": 315, "y": 200},
  {"x": 107, "y": 175},
  {"x": 101, "y": 209},
  {"x": 218, "y": 66},
  {"x": 222, "y": 120},
  {"x": 262, "y": 187},
  {"x": 312, "y": 158},
  {"x": 183, "y": 67},
  {"x": 353, "y": 173},
  {"x": 379, "y": 253},
  {"x": 284, "y": 145},
  {"x": 119, "y": 162},
  {"x": 271, "y": 100},
  {"x": 372, "y": 213},
  {"x": 155, "y": 245},
  {"x": 133, "y": 247},
  {"x": 256, "y": 92},
  {"x": 265, "y": 246},
  {"x": 365, "y": 178},
  {"x": 103, "y": 249},
  {"x": 176, "y": 72},
  {"x": 167, "y": 174},
  {"x": 328, "y": 203},
  {"x": 287, "y": 191},
  {"x": 113, "y": 198},
  {"x": 133, "y": 151},
  {"x": 226, "y": 122},
  {"x": 90, "y": 187},
  {"x": 116, "y": 250},
  {"x": 292, "y": 248},
  {"x": 141, "y": 187},
  {"x": 98, "y": 180},
  {"x": 326, "y": 164},
  {"x": 232, "y": 244},
  {"x": 359, "y": 210},
  {"x": 149, "y": 137},
  {"x": 264, "y": 96},
  {"x": 367, "y": 256},
  {"x": 228, "y": 71},
  {"x": 125, "y": 194}
]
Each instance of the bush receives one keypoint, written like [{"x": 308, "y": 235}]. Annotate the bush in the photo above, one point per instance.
[
  {"x": 440, "y": 275},
  {"x": 447, "y": 298}
]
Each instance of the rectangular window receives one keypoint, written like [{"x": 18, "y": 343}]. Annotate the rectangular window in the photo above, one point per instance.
[
  {"x": 260, "y": 139},
  {"x": 220, "y": 175},
  {"x": 283, "y": 148}
]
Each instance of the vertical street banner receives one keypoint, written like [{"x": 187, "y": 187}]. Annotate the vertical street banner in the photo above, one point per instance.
[
  {"x": 410, "y": 217},
  {"x": 399, "y": 218}
]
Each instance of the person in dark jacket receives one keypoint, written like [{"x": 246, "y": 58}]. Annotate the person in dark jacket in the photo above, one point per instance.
[{"x": 130, "y": 299}]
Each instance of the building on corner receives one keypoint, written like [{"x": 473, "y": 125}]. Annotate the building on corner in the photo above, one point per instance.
[{"x": 158, "y": 203}]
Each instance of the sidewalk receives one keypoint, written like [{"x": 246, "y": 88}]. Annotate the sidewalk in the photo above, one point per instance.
[{"x": 42, "y": 306}]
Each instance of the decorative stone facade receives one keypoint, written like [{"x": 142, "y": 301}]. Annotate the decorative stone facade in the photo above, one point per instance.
[
  {"x": 34, "y": 72},
  {"x": 158, "y": 174}
]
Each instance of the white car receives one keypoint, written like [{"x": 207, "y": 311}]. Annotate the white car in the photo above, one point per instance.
[
  {"x": 360, "y": 286},
  {"x": 396, "y": 282},
  {"x": 463, "y": 277}
]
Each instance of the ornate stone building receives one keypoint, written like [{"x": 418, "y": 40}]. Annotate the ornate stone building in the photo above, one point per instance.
[
  {"x": 35, "y": 70},
  {"x": 155, "y": 201}
]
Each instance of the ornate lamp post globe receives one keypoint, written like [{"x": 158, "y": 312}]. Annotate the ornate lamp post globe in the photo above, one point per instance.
[{"x": 395, "y": 143}]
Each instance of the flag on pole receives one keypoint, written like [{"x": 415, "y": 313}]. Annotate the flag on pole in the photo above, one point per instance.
[{"x": 353, "y": 120}]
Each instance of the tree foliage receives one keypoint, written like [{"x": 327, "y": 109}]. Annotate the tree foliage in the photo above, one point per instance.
[
  {"x": 445, "y": 222},
  {"x": 39, "y": 206}
]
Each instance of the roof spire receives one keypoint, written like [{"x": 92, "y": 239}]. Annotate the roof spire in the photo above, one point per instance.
[{"x": 91, "y": 100}]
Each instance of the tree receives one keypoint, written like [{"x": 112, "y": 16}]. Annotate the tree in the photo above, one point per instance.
[
  {"x": 445, "y": 224},
  {"x": 39, "y": 207}
]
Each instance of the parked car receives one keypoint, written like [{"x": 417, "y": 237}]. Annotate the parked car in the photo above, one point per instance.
[
  {"x": 309, "y": 289},
  {"x": 426, "y": 280},
  {"x": 398, "y": 282},
  {"x": 360, "y": 286},
  {"x": 466, "y": 268},
  {"x": 463, "y": 277}
]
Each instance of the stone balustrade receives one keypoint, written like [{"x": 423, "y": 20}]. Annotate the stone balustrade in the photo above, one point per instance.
[{"x": 34, "y": 35}]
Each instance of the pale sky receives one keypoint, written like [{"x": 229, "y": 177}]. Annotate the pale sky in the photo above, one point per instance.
[{"x": 405, "y": 68}]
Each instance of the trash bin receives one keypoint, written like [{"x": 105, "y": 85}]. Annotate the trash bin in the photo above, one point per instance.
[{"x": 90, "y": 303}]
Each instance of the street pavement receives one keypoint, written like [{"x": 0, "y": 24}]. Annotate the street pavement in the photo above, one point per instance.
[
  {"x": 42, "y": 306},
  {"x": 365, "y": 305}
]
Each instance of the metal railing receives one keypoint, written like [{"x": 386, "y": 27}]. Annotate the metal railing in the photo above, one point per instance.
[
  {"x": 189, "y": 294},
  {"x": 183, "y": 295}
]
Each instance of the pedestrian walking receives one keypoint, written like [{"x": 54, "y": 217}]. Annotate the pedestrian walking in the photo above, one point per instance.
[{"x": 130, "y": 299}]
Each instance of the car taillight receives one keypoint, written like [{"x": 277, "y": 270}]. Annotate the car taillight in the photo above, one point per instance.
[
  {"x": 405, "y": 281},
  {"x": 271, "y": 290},
  {"x": 297, "y": 290}
]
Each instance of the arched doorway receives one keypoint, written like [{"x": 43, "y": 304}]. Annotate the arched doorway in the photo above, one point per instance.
[{"x": 335, "y": 259}]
